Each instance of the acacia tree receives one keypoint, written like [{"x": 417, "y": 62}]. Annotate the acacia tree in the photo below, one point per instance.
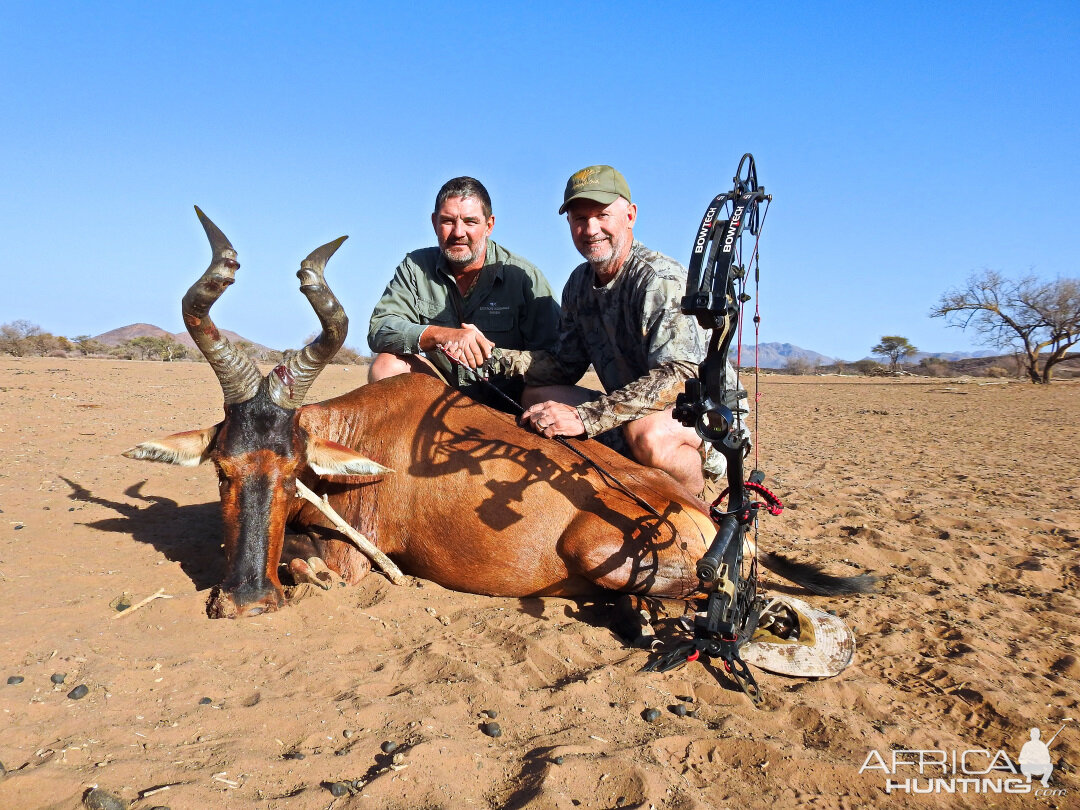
[
  {"x": 895, "y": 348},
  {"x": 157, "y": 348},
  {"x": 1027, "y": 314},
  {"x": 87, "y": 345}
]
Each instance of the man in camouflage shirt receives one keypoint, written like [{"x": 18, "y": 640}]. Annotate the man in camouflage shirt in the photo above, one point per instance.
[
  {"x": 620, "y": 313},
  {"x": 468, "y": 292}
]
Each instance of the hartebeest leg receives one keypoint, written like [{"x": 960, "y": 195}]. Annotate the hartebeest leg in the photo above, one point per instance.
[
  {"x": 654, "y": 561},
  {"x": 632, "y": 620},
  {"x": 314, "y": 571},
  {"x": 342, "y": 559}
]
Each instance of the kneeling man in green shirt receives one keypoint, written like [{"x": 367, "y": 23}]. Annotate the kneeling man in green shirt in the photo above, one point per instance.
[{"x": 468, "y": 292}]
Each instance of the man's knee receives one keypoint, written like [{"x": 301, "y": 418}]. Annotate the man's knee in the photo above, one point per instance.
[
  {"x": 649, "y": 444},
  {"x": 390, "y": 365},
  {"x": 654, "y": 438},
  {"x": 661, "y": 442}
]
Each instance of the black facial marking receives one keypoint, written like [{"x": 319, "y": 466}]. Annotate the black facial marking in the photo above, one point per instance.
[
  {"x": 248, "y": 567},
  {"x": 258, "y": 424}
]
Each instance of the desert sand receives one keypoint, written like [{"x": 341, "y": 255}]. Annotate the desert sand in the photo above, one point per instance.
[{"x": 963, "y": 497}]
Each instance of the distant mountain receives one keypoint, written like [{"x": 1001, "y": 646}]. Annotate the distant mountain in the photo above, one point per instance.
[
  {"x": 115, "y": 337},
  {"x": 130, "y": 332},
  {"x": 777, "y": 355},
  {"x": 915, "y": 358}
]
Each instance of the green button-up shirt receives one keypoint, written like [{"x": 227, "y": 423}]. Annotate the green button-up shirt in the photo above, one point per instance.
[{"x": 511, "y": 303}]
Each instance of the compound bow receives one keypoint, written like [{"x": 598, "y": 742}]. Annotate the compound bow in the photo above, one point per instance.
[{"x": 715, "y": 294}]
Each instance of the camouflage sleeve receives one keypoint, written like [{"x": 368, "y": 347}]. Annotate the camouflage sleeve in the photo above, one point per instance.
[
  {"x": 563, "y": 365},
  {"x": 669, "y": 334},
  {"x": 654, "y": 392},
  {"x": 538, "y": 368}
]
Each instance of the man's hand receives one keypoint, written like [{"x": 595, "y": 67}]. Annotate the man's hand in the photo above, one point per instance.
[
  {"x": 467, "y": 345},
  {"x": 553, "y": 419}
]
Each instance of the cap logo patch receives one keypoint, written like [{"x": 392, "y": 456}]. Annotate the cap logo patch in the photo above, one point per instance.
[{"x": 585, "y": 177}]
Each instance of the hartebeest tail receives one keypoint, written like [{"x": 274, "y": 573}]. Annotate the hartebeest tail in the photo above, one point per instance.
[{"x": 814, "y": 579}]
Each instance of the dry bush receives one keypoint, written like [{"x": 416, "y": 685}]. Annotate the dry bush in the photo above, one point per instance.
[
  {"x": 347, "y": 356},
  {"x": 86, "y": 345},
  {"x": 799, "y": 365},
  {"x": 934, "y": 367},
  {"x": 25, "y": 339}
]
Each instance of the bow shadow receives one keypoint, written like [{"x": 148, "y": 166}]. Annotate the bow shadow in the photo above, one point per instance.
[{"x": 447, "y": 441}]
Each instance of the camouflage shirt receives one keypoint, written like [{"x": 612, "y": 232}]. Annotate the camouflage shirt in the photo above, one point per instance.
[
  {"x": 631, "y": 331},
  {"x": 511, "y": 303}
]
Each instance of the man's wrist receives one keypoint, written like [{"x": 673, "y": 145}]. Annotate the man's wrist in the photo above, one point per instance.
[
  {"x": 586, "y": 420},
  {"x": 431, "y": 337}
]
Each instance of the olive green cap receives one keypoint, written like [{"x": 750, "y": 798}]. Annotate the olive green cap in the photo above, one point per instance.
[{"x": 602, "y": 184}]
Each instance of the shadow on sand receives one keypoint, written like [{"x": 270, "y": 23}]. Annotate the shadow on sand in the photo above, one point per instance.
[{"x": 189, "y": 535}]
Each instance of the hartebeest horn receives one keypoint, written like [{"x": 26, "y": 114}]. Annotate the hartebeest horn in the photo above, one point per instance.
[
  {"x": 237, "y": 373},
  {"x": 290, "y": 381}
]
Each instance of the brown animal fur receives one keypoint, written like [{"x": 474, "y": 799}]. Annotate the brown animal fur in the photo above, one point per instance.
[{"x": 479, "y": 504}]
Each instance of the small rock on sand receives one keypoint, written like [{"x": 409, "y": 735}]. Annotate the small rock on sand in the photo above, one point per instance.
[{"x": 98, "y": 799}]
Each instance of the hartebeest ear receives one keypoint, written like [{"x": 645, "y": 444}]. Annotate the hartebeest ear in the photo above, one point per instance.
[
  {"x": 330, "y": 458},
  {"x": 188, "y": 449}
]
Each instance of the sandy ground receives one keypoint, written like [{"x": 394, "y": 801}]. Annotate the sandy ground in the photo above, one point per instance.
[{"x": 964, "y": 497}]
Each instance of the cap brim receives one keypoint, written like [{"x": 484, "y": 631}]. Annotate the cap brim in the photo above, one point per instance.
[
  {"x": 824, "y": 647},
  {"x": 602, "y": 197}
]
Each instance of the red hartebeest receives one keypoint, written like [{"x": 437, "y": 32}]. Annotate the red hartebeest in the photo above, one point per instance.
[{"x": 451, "y": 490}]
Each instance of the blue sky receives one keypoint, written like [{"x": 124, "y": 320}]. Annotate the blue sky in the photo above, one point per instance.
[{"x": 906, "y": 144}]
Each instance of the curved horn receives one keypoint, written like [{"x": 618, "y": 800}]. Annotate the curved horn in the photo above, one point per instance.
[
  {"x": 290, "y": 381},
  {"x": 237, "y": 373}
]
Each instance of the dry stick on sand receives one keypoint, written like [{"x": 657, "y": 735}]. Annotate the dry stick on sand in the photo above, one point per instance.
[
  {"x": 358, "y": 540},
  {"x": 159, "y": 594}
]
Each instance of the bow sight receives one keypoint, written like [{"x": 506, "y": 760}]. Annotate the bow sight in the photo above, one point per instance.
[{"x": 715, "y": 292}]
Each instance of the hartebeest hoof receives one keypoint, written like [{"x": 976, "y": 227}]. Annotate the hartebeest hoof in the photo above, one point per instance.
[
  {"x": 314, "y": 571},
  {"x": 234, "y": 605},
  {"x": 633, "y": 622}
]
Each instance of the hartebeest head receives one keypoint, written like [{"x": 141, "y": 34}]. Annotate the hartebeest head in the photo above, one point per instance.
[{"x": 259, "y": 447}]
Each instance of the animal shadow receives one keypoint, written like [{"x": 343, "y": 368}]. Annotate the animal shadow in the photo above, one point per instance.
[{"x": 189, "y": 535}]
